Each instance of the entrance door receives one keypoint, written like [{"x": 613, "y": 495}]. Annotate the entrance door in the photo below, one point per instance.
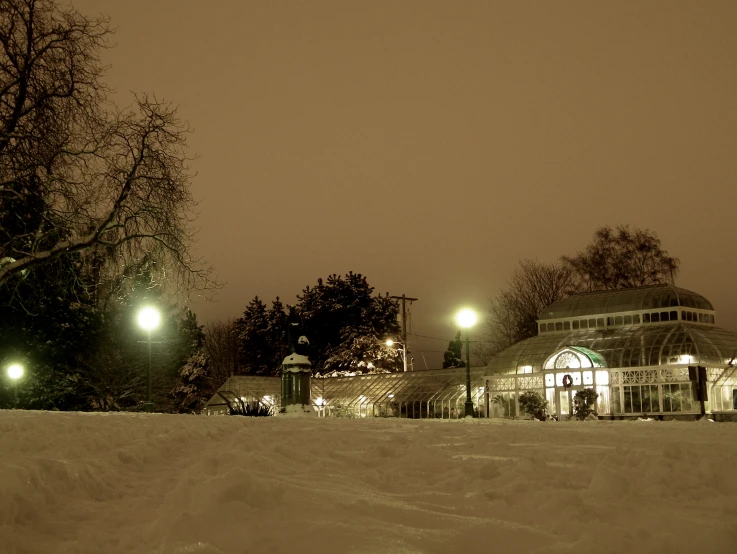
[{"x": 565, "y": 402}]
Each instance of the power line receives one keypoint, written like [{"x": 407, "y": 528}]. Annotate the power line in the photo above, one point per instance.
[{"x": 426, "y": 337}]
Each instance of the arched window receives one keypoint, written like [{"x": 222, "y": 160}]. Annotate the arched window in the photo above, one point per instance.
[{"x": 574, "y": 357}]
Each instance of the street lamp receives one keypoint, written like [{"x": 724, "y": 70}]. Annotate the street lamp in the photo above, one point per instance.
[
  {"x": 149, "y": 319},
  {"x": 390, "y": 343},
  {"x": 466, "y": 318},
  {"x": 15, "y": 372}
]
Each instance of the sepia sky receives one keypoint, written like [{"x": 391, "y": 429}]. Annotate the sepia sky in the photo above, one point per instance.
[{"x": 432, "y": 145}]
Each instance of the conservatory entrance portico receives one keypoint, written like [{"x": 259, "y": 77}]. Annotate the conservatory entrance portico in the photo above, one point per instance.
[
  {"x": 570, "y": 370},
  {"x": 567, "y": 371}
]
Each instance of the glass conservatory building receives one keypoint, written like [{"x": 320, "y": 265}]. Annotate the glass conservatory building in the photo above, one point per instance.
[
  {"x": 418, "y": 394},
  {"x": 633, "y": 346}
]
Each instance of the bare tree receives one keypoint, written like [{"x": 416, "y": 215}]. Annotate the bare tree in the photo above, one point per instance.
[
  {"x": 513, "y": 314},
  {"x": 622, "y": 258},
  {"x": 76, "y": 173},
  {"x": 221, "y": 348}
]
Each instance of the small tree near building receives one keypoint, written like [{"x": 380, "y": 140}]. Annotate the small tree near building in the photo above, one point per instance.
[
  {"x": 453, "y": 357},
  {"x": 534, "y": 404},
  {"x": 584, "y": 402}
]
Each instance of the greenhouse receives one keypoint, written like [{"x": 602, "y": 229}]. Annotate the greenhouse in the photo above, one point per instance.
[
  {"x": 417, "y": 394},
  {"x": 639, "y": 349},
  {"x": 633, "y": 346}
]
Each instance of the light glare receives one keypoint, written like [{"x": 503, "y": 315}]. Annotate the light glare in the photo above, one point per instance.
[
  {"x": 149, "y": 318},
  {"x": 15, "y": 371},
  {"x": 389, "y": 342},
  {"x": 466, "y": 318}
]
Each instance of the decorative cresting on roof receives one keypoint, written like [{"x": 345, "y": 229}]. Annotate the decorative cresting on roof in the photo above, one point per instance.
[
  {"x": 574, "y": 357},
  {"x": 625, "y": 300}
]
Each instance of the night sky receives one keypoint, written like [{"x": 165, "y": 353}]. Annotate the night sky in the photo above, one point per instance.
[{"x": 432, "y": 145}]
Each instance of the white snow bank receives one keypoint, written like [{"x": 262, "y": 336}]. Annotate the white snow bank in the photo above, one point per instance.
[{"x": 122, "y": 483}]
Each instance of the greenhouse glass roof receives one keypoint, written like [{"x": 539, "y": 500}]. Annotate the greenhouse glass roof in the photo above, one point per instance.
[
  {"x": 629, "y": 346},
  {"x": 441, "y": 385},
  {"x": 249, "y": 387},
  {"x": 625, "y": 300}
]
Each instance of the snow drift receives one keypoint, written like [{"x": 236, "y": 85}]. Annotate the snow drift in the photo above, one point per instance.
[{"x": 122, "y": 483}]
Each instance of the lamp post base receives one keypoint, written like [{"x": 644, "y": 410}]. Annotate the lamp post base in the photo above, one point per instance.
[
  {"x": 469, "y": 409},
  {"x": 148, "y": 407}
]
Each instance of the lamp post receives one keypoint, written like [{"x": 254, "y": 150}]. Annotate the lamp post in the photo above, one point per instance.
[
  {"x": 390, "y": 343},
  {"x": 466, "y": 318},
  {"x": 149, "y": 319},
  {"x": 15, "y": 372}
]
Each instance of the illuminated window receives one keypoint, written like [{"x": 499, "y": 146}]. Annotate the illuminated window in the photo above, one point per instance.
[
  {"x": 588, "y": 377},
  {"x": 567, "y": 359}
]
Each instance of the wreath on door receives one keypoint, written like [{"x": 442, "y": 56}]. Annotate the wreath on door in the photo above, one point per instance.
[{"x": 567, "y": 380}]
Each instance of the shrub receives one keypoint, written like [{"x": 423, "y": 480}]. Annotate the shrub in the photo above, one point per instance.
[
  {"x": 252, "y": 409},
  {"x": 506, "y": 403},
  {"x": 583, "y": 403},
  {"x": 533, "y": 403}
]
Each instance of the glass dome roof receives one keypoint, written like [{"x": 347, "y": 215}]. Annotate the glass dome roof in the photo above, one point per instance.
[
  {"x": 631, "y": 346},
  {"x": 625, "y": 300}
]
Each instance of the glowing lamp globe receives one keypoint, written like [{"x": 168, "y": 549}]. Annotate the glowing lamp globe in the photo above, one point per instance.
[
  {"x": 466, "y": 318},
  {"x": 15, "y": 371},
  {"x": 389, "y": 342},
  {"x": 149, "y": 318}
]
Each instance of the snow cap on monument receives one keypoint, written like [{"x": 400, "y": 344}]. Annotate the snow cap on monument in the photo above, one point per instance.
[{"x": 295, "y": 359}]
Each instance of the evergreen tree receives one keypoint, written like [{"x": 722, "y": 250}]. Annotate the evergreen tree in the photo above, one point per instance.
[
  {"x": 453, "y": 357},
  {"x": 335, "y": 313},
  {"x": 345, "y": 324},
  {"x": 362, "y": 351},
  {"x": 45, "y": 319},
  {"x": 261, "y": 336},
  {"x": 278, "y": 331},
  {"x": 194, "y": 386}
]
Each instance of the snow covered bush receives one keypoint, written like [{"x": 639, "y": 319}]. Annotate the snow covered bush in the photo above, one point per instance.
[
  {"x": 534, "y": 404},
  {"x": 192, "y": 390},
  {"x": 583, "y": 403}
]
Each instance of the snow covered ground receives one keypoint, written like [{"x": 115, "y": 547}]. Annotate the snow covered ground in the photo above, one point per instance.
[{"x": 124, "y": 483}]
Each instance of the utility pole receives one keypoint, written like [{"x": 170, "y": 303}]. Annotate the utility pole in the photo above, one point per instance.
[{"x": 404, "y": 299}]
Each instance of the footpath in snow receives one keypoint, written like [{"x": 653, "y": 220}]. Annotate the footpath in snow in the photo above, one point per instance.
[{"x": 166, "y": 484}]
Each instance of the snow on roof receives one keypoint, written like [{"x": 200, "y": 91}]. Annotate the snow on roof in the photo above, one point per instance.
[{"x": 296, "y": 359}]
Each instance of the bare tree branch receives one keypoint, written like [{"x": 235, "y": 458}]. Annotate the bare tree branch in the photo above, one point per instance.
[{"x": 77, "y": 174}]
